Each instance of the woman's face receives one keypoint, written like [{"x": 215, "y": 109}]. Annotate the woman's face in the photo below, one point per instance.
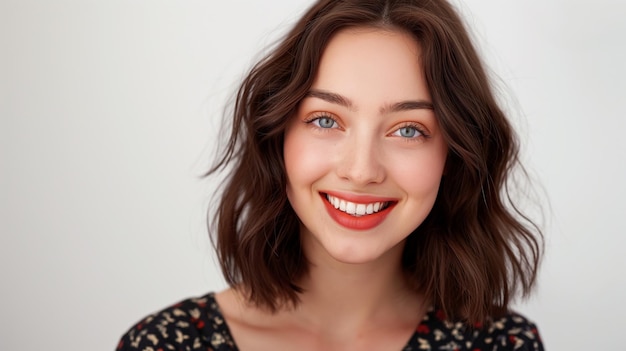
[{"x": 364, "y": 154}]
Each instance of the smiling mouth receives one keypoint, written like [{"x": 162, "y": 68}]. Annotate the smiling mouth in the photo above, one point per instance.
[{"x": 356, "y": 209}]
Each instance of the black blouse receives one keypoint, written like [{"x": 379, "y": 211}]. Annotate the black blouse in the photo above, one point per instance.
[{"x": 198, "y": 324}]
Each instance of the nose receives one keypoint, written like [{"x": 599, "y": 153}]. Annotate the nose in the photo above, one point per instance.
[{"x": 360, "y": 161}]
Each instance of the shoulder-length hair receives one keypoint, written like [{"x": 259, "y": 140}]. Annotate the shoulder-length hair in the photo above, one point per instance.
[{"x": 472, "y": 253}]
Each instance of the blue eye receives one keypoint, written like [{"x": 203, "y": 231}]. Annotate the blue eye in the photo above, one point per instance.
[
  {"x": 324, "y": 122},
  {"x": 409, "y": 132}
]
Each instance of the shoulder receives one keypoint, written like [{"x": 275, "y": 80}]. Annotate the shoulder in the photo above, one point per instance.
[
  {"x": 192, "y": 324},
  {"x": 510, "y": 332}
]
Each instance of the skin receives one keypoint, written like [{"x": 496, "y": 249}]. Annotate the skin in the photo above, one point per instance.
[{"x": 365, "y": 129}]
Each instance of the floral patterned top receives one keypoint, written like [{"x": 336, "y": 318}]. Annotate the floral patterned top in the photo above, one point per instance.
[{"x": 198, "y": 324}]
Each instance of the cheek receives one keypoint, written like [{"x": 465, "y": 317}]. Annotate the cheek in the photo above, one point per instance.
[
  {"x": 420, "y": 174},
  {"x": 306, "y": 159}
]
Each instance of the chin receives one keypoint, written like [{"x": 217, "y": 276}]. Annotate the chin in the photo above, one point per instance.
[
  {"x": 355, "y": 258},
  {"x": 364, "y": 255}
]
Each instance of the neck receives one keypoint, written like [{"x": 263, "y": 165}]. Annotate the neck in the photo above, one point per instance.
[{"x": 342, "y": 296}]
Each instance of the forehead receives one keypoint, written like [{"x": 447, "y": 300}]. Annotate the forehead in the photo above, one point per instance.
[{"x": 372, "y": 62}]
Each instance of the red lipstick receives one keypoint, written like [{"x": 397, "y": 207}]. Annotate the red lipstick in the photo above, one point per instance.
[{"x": 364, "y": 222}]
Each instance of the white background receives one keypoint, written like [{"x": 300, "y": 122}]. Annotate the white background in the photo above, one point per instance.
[{"x": 109, "y": 111}]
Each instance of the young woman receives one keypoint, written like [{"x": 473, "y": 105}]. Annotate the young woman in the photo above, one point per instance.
[{"x": 367, "y": 205}]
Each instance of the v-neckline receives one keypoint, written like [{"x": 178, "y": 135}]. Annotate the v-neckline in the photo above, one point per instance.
[{"x": 420, "y": 328}]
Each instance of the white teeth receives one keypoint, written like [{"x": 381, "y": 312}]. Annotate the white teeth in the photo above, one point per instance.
[
  {"x": 360, "y": 209},
  {"x": 342, "y": 205},
  {"x": 354, "y": 208},
  {"x": 351, "y": 208}
]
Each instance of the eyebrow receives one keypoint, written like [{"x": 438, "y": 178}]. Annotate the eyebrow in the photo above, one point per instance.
[
  {"x": 337, "y": 99},
  {"x": 331, "y": 98}
]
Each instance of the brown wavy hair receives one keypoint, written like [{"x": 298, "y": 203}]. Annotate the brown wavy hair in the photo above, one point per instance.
[{"x": 473, "y": 253}]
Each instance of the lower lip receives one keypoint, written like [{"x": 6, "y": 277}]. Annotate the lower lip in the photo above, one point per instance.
[{"x": 356, "y": 223}]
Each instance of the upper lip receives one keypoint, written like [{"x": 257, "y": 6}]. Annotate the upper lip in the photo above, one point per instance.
[{"x": 359, "y": 198}]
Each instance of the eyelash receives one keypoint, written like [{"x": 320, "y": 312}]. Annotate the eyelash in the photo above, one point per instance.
[
  {"x": 418, "y": 128},
  {"x": 317, "y": 117}
]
